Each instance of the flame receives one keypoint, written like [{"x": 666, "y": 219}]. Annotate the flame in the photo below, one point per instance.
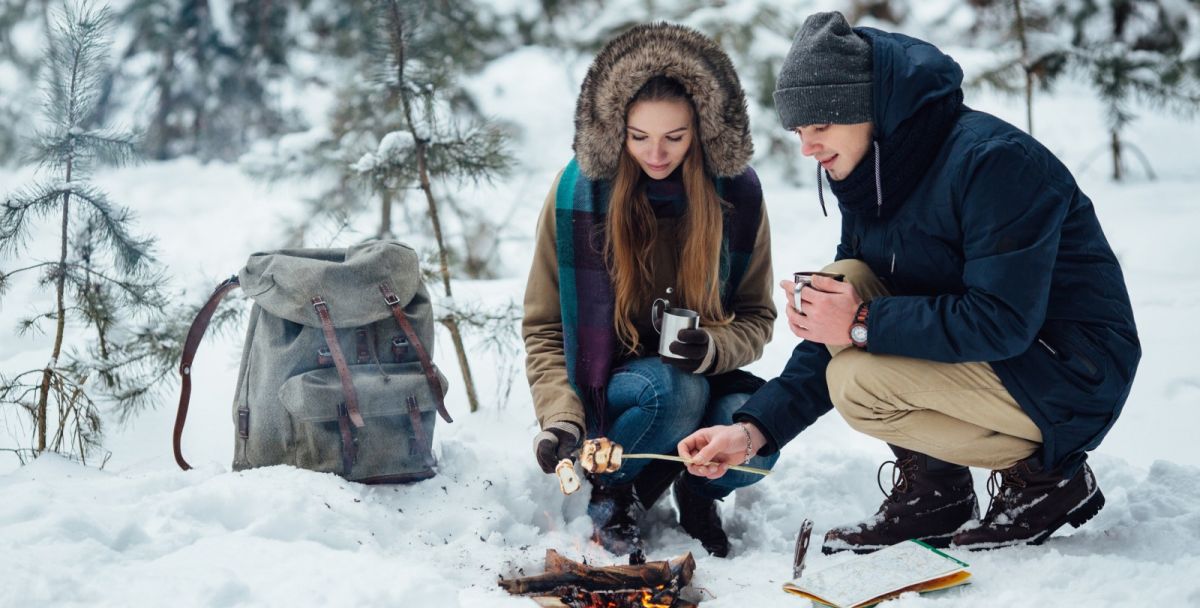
[
  {"x": 645, "y": 598},
  {"x": 648, "y": 600}
]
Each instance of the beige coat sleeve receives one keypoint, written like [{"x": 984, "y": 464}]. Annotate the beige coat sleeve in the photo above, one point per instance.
[
  {"x": 741, "y": 341},
  {"x": 545, "y": 362}
]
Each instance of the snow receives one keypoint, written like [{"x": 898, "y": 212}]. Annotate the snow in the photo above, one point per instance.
[{"x": 141, "y": 532}]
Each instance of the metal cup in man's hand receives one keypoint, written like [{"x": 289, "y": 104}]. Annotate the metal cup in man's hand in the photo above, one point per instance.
[{"x": 803, "y": 279}]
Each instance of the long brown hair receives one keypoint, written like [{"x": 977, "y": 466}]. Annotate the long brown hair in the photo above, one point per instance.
[{"x": 632, "y": 230}]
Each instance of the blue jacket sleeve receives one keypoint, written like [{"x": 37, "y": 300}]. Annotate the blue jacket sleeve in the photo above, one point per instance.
[
  {"x": 1011, "y": 217},
  {"x": 792, "y": 402}
]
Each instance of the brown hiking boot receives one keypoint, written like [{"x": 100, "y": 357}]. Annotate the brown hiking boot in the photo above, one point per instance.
[
  {"x": 929, "y": 501},
  {"x": 614, "y": 510},
  {"x": 1029, "y": 504},
  {"x": 699, "y": 517}
]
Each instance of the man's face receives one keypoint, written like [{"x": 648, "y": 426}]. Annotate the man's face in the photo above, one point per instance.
[
  {"x": 838, "y": 148},
  {"x": 658, "y": 134}
]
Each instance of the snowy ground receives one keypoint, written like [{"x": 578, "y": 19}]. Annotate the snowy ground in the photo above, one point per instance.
[{"x": 140, "y": 532}]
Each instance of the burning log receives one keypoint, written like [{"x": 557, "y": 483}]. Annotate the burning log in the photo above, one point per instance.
[{"x": 571, "y": 583}]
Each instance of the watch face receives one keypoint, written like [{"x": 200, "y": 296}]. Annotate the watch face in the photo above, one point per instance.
[{"x": 858, "y": 333}]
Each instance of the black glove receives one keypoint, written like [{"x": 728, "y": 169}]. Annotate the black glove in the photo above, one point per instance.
[
  {"x": 554, "y": 443},
  {"x": 692, "y": 345}
]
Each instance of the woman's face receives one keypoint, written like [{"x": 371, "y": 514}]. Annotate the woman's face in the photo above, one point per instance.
[
  {"x": 838, "y": 148},
  {"x": 658, "y": 135}
]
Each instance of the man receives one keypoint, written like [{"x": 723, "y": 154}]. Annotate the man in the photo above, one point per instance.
[{"x": 983, "y": 320}]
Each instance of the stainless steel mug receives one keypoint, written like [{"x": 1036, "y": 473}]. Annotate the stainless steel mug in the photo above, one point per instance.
[
  {"x": 668, "y": 321},
  {"x": 803, "y": 279}
]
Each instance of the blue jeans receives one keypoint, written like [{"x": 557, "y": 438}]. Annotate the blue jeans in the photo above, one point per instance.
[
  {"x": 721, "y": 412},
  {"x": 652, "y": 406}
]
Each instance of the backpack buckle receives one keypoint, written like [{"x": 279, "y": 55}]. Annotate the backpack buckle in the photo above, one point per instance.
[{"x": 391, "y": 299}]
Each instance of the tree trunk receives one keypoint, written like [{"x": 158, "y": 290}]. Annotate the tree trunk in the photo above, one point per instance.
[
  {"x": 444, "y": 259},
  {"x": 1116, "y": 155},
  {"x": 1026, "y": 66},
  {"x": 385, "y": 220},
  {"x": 60, "y": 325},
  {"x": 451, "y": 323}
]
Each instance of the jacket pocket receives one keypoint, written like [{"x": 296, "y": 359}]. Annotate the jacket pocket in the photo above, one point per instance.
[{"x": 1071, "y": 351}]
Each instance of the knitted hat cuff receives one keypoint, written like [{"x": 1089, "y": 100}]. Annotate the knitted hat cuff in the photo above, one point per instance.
[{"x": 839, "y": 104}]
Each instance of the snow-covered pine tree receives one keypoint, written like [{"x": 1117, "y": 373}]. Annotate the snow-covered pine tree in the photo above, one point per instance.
[
  {"x": 1034, "y": 50},
  {"x": 430, "y": 144},
  {"x": 209, "y": 74},
  {"x": 1136, "y": 51},
  {"x": 104, "y": 276}
]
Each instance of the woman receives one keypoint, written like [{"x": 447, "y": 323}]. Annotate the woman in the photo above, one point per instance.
[{"x": 659, "y": 197}]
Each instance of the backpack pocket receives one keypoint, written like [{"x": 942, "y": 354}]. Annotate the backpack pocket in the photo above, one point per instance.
[{"x": 395, "y": 443}]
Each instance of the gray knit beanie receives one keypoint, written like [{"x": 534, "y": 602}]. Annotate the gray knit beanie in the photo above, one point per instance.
[{"x": 826, "y": 77}]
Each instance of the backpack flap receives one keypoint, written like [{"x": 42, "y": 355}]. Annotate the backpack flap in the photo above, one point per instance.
[
  {"x": 399, "y": 410},
  {"x": 284, "y": 282}
]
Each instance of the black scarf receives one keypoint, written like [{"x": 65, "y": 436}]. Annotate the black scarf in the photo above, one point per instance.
[{"x": 893, "y": 167}]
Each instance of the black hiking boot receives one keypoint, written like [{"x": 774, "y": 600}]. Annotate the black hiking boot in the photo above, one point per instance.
[
  {"x": 654, "y": 480},
  {"x": 699, "y": 518},
  {"x": 1029, "y": 504},
  {"x": 929, "y": 501},
  {"x": 614, "y": 510}
]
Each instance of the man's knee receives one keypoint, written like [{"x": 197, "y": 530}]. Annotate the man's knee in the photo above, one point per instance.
[
  {"x": 851, "y": 388},
  {"x": 858, "y": 274}
]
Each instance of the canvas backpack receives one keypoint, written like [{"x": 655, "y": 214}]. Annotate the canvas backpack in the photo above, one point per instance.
[{"x": 336, "y": 374}]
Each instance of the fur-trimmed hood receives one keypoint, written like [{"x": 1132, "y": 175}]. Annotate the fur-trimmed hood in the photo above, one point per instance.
[{"x": 683, "y": 54}]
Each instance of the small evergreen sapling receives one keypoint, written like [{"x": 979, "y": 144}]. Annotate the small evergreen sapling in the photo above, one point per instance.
[
  {"x": 104, "y": 276},
  {"x": 430, "y": 144}
]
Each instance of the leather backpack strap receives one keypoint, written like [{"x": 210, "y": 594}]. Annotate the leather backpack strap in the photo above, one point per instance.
[
  {"x": 420, "y": 435},
  {"x": 339, "y": 361},
  {"x": 195, "y": 334},
  {"x": 435, "y": 385}
]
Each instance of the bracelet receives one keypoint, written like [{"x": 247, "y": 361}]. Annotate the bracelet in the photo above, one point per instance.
[{"x": 749, "y": 442}]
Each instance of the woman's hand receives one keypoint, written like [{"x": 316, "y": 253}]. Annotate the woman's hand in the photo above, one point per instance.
[{"x": 712, "y": 450}]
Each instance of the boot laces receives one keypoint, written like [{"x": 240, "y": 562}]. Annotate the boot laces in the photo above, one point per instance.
[
  {"x": 903, "y": 470},
  {"x": 1000, "y": 487}
]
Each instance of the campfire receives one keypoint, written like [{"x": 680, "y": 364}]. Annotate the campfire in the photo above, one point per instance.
[{"x": 571, "y": 584}]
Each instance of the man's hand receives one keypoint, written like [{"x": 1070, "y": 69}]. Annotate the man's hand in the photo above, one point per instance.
[
  {"x": 713, "y": 449},
  {"x": 554, "y": 443},
  {"x": 829, "y": 308},
  {"x": 693, "y": 346}
]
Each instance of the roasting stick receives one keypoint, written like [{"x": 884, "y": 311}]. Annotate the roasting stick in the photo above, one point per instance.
[{"x": 734, "y": 467}]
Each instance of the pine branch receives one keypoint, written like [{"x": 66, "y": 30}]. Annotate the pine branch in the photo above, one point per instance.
[
  {"x": 112, "y": 224},
  {"x": 26, "y": 205},
  {"x": 1003, "y": 77},
  {"x": 141, "y": 291},
  {"x": 77, "y": 64},
  {"x": 116, "y": 148},
  {"x": 479, "y": 155},
  {"x": 146, "y": 359}
]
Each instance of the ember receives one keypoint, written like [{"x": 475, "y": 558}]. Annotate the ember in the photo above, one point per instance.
[{"x": 570, "y": 584}]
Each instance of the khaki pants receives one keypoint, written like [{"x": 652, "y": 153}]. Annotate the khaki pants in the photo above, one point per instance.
[{"x": 957, "y": 412}]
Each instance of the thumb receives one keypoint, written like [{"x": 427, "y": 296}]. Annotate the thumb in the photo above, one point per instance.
[
  {"x": 708, "y": 453},
  {"x": 829, "y": 285}
]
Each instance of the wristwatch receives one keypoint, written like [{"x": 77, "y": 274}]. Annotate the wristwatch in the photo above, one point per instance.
[{"x": 858, "y": 329}]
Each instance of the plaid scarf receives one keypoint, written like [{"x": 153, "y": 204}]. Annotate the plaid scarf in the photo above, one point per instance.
[{"x": 581, "y": 215}]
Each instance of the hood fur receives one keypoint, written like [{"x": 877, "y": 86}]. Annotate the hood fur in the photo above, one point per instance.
[{"x": 683, "y": 54}]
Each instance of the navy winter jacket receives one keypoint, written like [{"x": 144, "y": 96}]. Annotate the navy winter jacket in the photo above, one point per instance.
[{"x": 996, "y": 256}]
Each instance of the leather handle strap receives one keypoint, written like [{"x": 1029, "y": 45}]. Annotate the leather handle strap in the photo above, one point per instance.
[
  {"x": 195, "y": 334},
  {"x": 339, "y": 361},
  {"x": 349, "y": 442},
  {"x": 435, "y": 385},
  {"x": 420, "y": 435}
]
